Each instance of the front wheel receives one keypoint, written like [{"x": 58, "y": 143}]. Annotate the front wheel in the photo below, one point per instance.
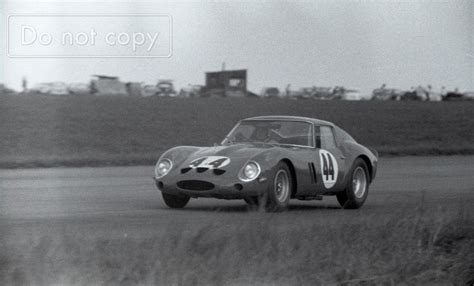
[
  {"x": 174, "y": 201},
  {"x": 279, "y": 191},
  {"x": 357, "y": 189}
]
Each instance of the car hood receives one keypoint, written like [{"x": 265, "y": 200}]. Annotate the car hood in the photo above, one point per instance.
[
  {"x": 238, "y": 154},
  {"x": 241, "y": 150}
]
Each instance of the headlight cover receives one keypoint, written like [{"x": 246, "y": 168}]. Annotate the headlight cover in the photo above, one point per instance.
[
  {"x": 162, "y": 168},
  {"x": 250, "y": 171}
]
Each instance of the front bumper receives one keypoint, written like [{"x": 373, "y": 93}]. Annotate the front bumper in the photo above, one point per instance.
[{"x": 221, "y": 190}]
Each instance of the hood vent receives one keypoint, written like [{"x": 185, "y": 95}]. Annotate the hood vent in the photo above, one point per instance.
[
  {"x": 218, "y": 172},
  {"x": 201, "y": 170}
]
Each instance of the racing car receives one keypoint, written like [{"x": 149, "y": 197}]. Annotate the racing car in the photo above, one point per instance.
[{"x": 268, "y": 160}]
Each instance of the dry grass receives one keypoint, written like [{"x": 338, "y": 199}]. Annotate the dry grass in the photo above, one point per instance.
[
  {"x": 408, "y": 247},
  {"x": 77, "y": 131}
]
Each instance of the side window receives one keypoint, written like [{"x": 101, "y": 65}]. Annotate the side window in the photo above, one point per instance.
[
  {"x": 317, "y": 136},
  {"x": 327, "y": 138}
]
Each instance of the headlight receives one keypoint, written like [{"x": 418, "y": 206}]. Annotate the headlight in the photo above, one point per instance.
[
  {"x": 249, "y": 172},
  {"x": 162, "y": 168}
]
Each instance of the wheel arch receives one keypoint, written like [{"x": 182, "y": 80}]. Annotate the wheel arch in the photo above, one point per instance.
[
  {"x": 368, "y": 164},
  {"x": 294, "y": 184}
]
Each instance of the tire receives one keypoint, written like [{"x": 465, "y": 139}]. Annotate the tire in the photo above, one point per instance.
[
  {"x": 279, "y": 191},
  {"x": 175, "y": 202},
  {"x": 357, "y": 189}
]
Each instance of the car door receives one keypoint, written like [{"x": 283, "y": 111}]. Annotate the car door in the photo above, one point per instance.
[{"x": 330, "y": 161}]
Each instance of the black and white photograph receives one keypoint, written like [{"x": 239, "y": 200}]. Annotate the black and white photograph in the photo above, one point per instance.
[{"x": 237, "y": 142}]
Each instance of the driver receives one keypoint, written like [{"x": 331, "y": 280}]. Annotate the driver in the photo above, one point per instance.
[
  {"x": 266, "y": 134},
  {"x": 261, "y": 134}
]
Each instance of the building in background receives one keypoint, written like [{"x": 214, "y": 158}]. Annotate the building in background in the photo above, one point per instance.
[{"x": 232, "y": 83}]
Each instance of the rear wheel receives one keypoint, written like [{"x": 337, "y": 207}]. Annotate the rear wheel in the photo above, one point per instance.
[
  {"x": 357, "y": 189},
  {"x": 174, "y": 201},
  {"x": 279, "y": 191}
]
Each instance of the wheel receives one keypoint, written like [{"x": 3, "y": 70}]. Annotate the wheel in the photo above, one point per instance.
[
  {"x": 278, "y": 194},
  {"x": 174, "y": 201},
  {"x": 357, "y": 189}
]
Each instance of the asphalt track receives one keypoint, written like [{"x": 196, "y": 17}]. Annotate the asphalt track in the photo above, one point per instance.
[{"x": 116, "y": 201}]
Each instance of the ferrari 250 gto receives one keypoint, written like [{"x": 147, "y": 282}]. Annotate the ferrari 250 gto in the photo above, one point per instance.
[{"x": 267, "y": 161}]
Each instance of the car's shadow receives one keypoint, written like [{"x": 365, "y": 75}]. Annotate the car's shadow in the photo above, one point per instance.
[{"x": 243, "y": 208}]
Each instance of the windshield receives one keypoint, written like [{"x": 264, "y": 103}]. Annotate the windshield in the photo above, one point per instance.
[{"x": 282, "y": 132}]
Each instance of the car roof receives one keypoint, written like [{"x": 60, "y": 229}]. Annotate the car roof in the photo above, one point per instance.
[{"x": 291, "y": 118}]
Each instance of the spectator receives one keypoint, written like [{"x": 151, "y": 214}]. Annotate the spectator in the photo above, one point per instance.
[
  {"x": 288, "y": 90},
  {"x": 428, "y": 93},
  {"x": 443, "y": 92},
  {"x": 24, "y": 84}
]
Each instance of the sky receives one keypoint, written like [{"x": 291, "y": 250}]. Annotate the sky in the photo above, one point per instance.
[{"x": 357, "y": 44}]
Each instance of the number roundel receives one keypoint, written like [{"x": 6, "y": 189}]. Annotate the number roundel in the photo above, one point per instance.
[
  {"x": 329, "y": 168},
  {"x": 210, "y": 162}
]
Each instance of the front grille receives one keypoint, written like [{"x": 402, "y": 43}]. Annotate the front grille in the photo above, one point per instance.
[{"x": 195, "y": 185}]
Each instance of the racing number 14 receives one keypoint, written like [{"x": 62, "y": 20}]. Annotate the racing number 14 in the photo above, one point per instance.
[
  {"x": 212, "y": 162},
  {"x": 217, "y": 163},
  {"x": 328, "y": 167}
]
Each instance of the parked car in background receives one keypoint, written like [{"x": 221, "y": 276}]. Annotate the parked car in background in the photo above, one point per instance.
[
  {"x": 165, "y": 88},
  {"x": 41, "y": 88},
  {"x": 453, "y": 96},
  {"x": 387, "y": 94},
  {"x": 306, "y": 92},
  {"x": 434, "y": 96},
  {"x": 456, "y": 95},
  {"x": 58, "y": 88},
  {"x": 192, "y": 90},
  {"x": 469, "y": 95},
  {"x": 322, "y": 93},
  {"x": 149, "y": 90},
  {"x": 349, "y": 94},
  {"x": 352, "y": 94},
  {"x": 270, "y": 92},
  {"x": 79, "y": 88}
]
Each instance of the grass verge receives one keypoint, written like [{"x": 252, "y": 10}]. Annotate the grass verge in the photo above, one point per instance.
[
  {"x": 407, "y": 247},
  {"x": 45, "y": 131}
]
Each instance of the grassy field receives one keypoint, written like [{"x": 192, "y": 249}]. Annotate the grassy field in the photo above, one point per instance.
[
  {"x": 78, "y": 131},
  {"x": 411, "y": 246}
]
